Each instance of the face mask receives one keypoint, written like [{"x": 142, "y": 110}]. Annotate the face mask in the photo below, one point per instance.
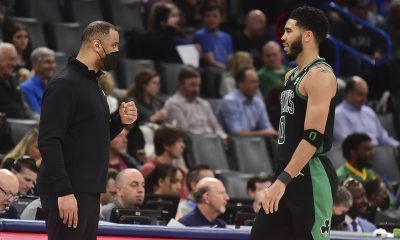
[{"x": 111, "y": 60}]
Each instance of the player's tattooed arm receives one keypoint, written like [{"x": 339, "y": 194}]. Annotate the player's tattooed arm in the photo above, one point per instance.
[{"x": 324, "y": 68}]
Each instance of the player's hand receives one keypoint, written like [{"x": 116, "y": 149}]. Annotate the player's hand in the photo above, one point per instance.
[
  {"x": 68, "y": 210},
  {"x": 128, "y": 112},
  {"x": 272, "y": 196}
]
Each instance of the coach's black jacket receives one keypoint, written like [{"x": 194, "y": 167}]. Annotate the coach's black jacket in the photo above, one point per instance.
[{"x": 74, "y": 133}]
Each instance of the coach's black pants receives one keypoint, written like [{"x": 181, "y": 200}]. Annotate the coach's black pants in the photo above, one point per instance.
[{"x": 88, "y": 217}]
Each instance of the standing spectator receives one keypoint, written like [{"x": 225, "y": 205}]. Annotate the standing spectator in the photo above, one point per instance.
[
  {"x": 216, "y": 46},
  {"x": 273, "y": 72},
  {"x": 44, "y": 64},
  {"x": 119, "y": 159},
  {"x": 359, "y": 153},
  {"x": 190, "y": 112},
  {"x": 144, "y": 91},
  {"x": 165, "y": 180},
  {"x": 241, "y": 111},
  {"x": 28, "y": 146},
  {"x": 164, "y": 34},
  {"x": 75, "y": 132},
  {"x": 211, "y": 199},
  {"x": 253, "y": 36},
  {"x": 129, "y": 186},
  {"x": 10, "y": 97},
  {"x": 353, "y": 116},
  {"x": 18, "y": 35},
  {"x": 8, "y": 193},
  {"x": 169, "y": 147},
  {"x": 194, "y": 175}
]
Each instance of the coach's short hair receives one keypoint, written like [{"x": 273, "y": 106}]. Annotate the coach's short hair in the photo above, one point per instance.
[{"x": 97, "y": 30}]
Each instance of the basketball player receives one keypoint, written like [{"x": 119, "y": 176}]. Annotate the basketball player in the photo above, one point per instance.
[{"x": 298, "y": 205}]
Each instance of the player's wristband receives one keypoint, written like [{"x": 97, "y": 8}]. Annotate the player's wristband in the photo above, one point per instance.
[{"x": 285, "y": 177}]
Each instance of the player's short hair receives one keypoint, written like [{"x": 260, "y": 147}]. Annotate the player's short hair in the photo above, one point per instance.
[{"x": 311, "y": 19}]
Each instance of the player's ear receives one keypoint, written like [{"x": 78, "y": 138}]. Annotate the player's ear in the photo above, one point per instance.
[{"x": 307, "y": 36}]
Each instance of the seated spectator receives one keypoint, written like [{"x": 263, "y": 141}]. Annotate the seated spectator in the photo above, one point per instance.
[
  {"x": 106, "y": 83},
  {"x": 118, "y": 158},
  {"x": 378, "y": 197},
  {"x": 18, "y": 35},
  {"x": 129, "y": 186},
  {"x": 169, "y": 147},
  {"x": 359, "y": 153},
  {"x": 253, "y": 36},
  {"x": 353, "y": 116},
  {"x": 109, "y": 195},
  {"x": 30, "y": 210},
  {"x": 44, "y": 65},
  {"x": 26, "y": 172},
  {"x": 10, "y": 98},
  {"x": 258, "y": 183},
  {"x": 164, "y": 180},
  {"x": 236, "y": 61},
  {"x": 8, "y": 193},
  {"x": 273, "y": 71},
  {"x": 27, "y": 146},
  {"x": 216, "y": 45},
  {"x": 144, "y": 91},
  {"x": 342, "y": 202},
  {"x": 258, "y": 198},
  {"x": 353, "y": 219},
  {"x": 164, "y": 34},
  {"x": 211, "y": 199},
  {"x": 241, "y": 111},
  {"x": 190, "y": 112},
  {"x": 194, "y": 175}
]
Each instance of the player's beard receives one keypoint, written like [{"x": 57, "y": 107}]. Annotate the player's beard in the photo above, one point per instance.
[{"x": 295, "y": 49}]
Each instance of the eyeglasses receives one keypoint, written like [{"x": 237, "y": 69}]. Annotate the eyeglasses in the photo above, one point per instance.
[{"x": 9, "y": 195}]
